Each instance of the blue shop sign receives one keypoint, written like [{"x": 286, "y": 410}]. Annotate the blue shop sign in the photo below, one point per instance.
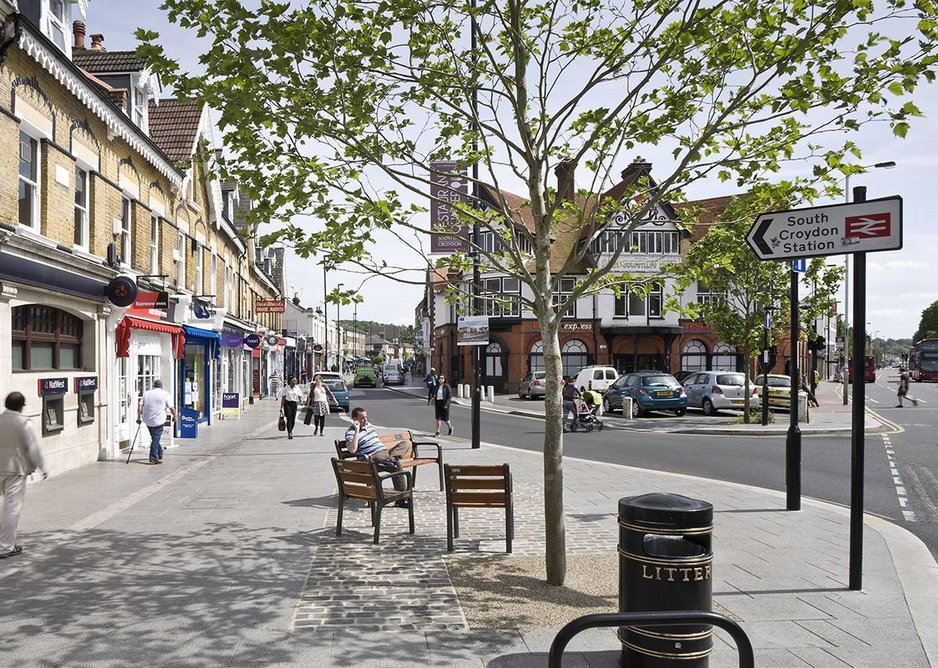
[
  {"x": 86, "y": 384},
  {"x": 52, "y": 386},
  {"x": 252, "y": 340}
]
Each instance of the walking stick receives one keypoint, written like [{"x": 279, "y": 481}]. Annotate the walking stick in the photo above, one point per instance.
[{"x": 133, "y": 443}]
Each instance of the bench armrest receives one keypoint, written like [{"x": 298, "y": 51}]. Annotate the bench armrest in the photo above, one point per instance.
[
  {"x": 439, "y": 449},
  {"x": 389, "y": 475}
]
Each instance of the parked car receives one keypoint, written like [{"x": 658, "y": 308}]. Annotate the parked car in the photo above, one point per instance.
[
  {"x": 779, "y": 390},
  {"x": 365, "y": 375},
  {"x": 717, "y": 390},
  {"x": 532, "y": 385},
  {"x": 597, "y": 378},
  {"x": 683, "y": 374},
  {"x": 393, "y": 374},
  {"x": 649, "y": 391}
]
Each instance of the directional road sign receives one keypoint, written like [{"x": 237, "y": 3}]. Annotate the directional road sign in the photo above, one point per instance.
[{"x": 840, "y": 229}]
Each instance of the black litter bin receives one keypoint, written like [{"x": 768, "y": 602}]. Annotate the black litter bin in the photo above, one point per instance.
[{"x": 665, "y": 562}]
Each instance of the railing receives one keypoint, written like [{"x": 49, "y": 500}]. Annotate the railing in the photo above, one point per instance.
[{"x": 676, "y": 618}]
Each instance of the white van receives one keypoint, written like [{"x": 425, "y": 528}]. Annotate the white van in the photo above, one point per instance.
[
  {"x": 393, "y": 374},
  {"x": 596, "y": 377}
]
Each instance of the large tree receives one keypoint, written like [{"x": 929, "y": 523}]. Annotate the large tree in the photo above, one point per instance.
[
  {"x": 741, "y": 285},
  {"x": 928, "y": 325},
  {"x": 335, "y": 110}
]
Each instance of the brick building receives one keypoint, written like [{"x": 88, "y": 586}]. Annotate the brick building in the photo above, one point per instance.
[{"x": 103, "y": 180}]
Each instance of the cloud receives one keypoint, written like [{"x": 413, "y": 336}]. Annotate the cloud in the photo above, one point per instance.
[{"x": 898, "y": 265}]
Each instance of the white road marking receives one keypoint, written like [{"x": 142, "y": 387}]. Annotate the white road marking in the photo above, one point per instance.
[{"x": 901, "y": 494}]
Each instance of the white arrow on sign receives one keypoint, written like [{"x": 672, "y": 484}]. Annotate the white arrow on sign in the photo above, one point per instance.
[{"x": 839, "y": 229}]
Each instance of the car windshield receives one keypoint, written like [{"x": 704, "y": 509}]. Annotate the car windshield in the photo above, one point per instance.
[
  {"x": 731, "y": 379},
  {"x": 663, "y": 381},
  {"x": 779, "y": 382},
  {"x": 335, "y": 385}
]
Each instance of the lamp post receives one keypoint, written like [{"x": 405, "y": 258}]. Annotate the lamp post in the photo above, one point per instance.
[
  {"x": 338, "y": 329},
  {"x": 889, "y": 164}
]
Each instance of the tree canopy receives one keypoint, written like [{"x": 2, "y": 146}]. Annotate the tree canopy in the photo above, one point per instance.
[
  {"x": 928, "y": 325},
  {"x": 334, "y": 113}
]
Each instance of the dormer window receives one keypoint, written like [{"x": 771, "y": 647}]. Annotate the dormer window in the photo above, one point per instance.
[
  {"x": 139, "y": 110},
  {"x": 57, "y": 18}
]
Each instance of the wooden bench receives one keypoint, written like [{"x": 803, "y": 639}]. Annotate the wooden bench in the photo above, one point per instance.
[
  {"x": 363, "y": 480},
  {"x": 411, "y": 459},
  {"x": 478, "y": 487}
]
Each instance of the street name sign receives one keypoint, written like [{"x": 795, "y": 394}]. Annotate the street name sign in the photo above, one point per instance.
[{"x": 839, "y": 229}]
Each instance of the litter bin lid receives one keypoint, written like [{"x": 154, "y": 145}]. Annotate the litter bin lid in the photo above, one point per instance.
[{"x": 666, "y": 510}]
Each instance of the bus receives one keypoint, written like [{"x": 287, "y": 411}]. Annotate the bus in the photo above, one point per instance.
[
  {"x": 923, "y": 360},
  {"x": 869, "y": 371}
]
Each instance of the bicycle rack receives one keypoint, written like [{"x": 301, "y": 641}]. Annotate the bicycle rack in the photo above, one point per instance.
[{"x": 669, "y": 618}]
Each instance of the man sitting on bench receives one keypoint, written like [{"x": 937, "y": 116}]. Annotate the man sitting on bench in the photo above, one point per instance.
[{"x": 362, "y": 440}]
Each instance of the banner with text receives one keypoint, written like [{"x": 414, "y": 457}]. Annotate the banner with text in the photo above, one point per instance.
[
  {"x": 473, "y": 331},
  {"x": 447, "y": 187}
]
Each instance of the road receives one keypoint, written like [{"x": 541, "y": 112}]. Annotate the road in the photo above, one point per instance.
[{"x": 901, "y": 467}]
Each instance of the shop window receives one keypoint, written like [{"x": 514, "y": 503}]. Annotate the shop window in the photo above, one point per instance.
[
  {"x": 28, "y": 180},
  {"x": 725, "y": 357},
  {"x": 694, "y": 356},
  {"x": 148, "y": 370},
  {"x": 536, "y": 357},
  {"x": 573, "y": 357},
  {"x": 45, "y": 338}
]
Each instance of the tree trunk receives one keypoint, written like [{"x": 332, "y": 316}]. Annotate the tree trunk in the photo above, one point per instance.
[{"x": 555, "y": 534}]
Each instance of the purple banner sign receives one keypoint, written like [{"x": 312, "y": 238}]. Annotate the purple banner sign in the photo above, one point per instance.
[
  {"x": 230, "y": 400},
  {"x": 447, "y": 186},
  {"x": 231, "y": 338}
]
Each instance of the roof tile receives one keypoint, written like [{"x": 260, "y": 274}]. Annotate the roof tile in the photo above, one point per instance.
[
  {"x": 174, "y": 125},
  {"x": 108, "y": 62}
]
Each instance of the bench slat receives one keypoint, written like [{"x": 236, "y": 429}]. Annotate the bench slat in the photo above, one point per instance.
[
  {"x": 495, "y": 499},
  {"x": 477, "y": 483}
]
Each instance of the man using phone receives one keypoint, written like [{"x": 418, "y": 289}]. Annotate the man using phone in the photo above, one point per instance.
[{"x": 362, "y": 440}]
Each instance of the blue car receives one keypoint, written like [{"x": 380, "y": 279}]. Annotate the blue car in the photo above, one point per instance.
[
  {"x": 649, "y": 391},
  {"x": 340, "y": 391}
]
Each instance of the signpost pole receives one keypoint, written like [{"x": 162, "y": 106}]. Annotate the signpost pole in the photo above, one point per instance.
[
  {"x": 858, "y": 434},
  {"x": 793, "y": 439}
]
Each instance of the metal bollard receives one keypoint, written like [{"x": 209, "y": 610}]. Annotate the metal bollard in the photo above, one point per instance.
[{"x": 665, "y": 563}]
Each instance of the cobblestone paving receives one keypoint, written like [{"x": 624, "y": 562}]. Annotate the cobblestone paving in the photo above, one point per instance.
[{"x": 408, "y": 587}]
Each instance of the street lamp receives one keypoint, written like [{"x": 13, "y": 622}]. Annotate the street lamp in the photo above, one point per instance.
[
  {"x": 338, "y": 329},
  {"x": 889, "y": 164}
]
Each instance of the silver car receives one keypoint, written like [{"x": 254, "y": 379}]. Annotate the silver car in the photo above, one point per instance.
[
  {"x": 718, "y": 390},
  {"x": 532, "y": 385}
]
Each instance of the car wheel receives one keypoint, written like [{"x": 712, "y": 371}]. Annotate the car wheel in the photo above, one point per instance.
[
  {"x": 606, "y": 407},
  {"x": 708, "y": 407},
  {"x": 637, "y": 411},
  {"x": 680, "y": 411}
]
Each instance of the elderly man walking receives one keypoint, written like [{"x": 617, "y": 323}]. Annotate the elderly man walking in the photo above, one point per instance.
[
  {"x": 154, "y": 404},
  {"x": 19, "y": 457}
]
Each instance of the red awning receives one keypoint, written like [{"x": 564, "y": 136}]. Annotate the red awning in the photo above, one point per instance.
[{"x": 129, "y": 322}]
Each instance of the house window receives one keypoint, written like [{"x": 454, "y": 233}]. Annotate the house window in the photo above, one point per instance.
[
  {"x": 181, "y": 264},
  {"x": 655, "y": 301},
  {"x": 139, "y": 107},
  {"x": 213, "y": 277},
  {"x": 29, "y": 180},
  {"x": 563, "y": 293},
  {"x": 707, "y": 295},
  {"x": 154, "y": 245},
  {"x": 501, "y": 297},
  {"x": 227, "y": 289},
  {"x": 81, "y": 207},
  {"x": 199, "y": 289},
  {"x": 58, "y": 20},
  {"x": 633, "y": 303},
  {"x": 45, "y": 338},
  {"x": 126, "y": 218}
]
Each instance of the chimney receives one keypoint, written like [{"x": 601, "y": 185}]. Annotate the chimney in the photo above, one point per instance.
[
  {"x": 97, "y": 42},
  {"x": 564, "y": 172},
  {"x": 639, "y": 164},
  {"x": 78, "y": 31}
]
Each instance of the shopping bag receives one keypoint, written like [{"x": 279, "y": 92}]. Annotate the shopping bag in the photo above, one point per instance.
[
  {"x": 308, "y": 418},
  {"x": 282, "y": 424}
]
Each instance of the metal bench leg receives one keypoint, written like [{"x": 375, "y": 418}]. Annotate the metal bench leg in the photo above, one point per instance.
[
  {"x": 338, "y": 523},
  {"x": 378, "y": 509},
  {"x": 439, "y": 465},
  {"x": 509, "y": 524},
  {"x": 413, "y": 477},
  {"x": 455, "y": 522},
  {"x": 449, "y": 527},
  {"x": 410, "y": 512}
]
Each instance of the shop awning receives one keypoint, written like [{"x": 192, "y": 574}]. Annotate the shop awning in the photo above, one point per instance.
[
  {"x": 129, "y": 322},
  {"x": 204, "y": 336}
]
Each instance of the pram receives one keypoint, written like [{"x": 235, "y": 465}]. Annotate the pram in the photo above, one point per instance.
[{"x": 586, "y": 418}]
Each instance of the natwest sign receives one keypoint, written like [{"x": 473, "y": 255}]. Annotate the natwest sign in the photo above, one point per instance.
[
  {"x": 52, "y": 386},
  {"x": 268, "y": 306}
]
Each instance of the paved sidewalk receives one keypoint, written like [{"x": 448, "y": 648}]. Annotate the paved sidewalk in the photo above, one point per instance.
[{"x": 227, "y": 555}]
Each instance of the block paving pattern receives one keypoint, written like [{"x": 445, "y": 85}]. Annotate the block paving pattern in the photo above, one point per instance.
[{"x": 402, "y": 583}]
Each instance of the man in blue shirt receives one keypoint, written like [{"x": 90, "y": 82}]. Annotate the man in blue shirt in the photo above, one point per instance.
[{"x": 362, "y": 440}]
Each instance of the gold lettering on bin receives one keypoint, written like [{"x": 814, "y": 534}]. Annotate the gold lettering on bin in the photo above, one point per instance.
[{"x": 666, "y": 574}]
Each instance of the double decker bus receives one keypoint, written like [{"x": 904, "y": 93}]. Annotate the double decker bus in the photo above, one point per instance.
[
  {"x": 923, "y": 360},
  {"x": 869, "y": 369}
]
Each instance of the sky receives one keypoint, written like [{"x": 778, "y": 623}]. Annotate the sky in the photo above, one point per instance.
[{"x": 900, "y": 284}]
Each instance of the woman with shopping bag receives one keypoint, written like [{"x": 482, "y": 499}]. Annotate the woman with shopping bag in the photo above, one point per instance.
[
  {"x": 320, "y": 398},
  {"x": 289, "y": 401}
]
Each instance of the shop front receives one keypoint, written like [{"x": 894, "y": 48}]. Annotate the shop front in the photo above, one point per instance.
[{"x": 199, "y": 373}]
